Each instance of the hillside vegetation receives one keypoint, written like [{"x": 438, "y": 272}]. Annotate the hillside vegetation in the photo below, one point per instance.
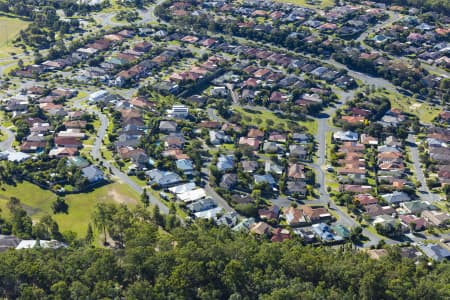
[{"x": 206, "y": 262}]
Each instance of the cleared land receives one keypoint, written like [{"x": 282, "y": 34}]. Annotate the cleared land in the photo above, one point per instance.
[
  {"x": 37, "y": 202},
  {"x": 10, "y": 28},
  {"x": 423, "y": 110},
  {"x": 258, "y": 117},
  {"x": 312, "y": 3}
]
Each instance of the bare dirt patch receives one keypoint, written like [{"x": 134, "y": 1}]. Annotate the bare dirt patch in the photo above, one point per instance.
[{"x": 120, "y": 198}]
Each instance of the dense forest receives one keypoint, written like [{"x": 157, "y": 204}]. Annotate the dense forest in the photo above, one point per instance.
[{"x": 202, "y": 261}]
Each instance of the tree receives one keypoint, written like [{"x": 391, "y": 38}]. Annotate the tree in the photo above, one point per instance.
[
  {"x": 356, "y": 234},
  {"x": 89, "y": 238},
  {"x": 145, "y": 198},
  {"x": 101, "y": 218},
  {"x": 60, "y": 206},
  {"x": 156, "y": 216}
]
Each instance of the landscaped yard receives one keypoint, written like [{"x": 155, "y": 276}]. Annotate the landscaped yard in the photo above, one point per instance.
[{"x": 38, "y": 202}]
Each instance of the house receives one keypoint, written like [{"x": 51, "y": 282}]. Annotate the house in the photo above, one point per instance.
[
  {"x": 178, "y": 111},
  {"x": 416, "y": 207},
  {"x": 296, "y": 172},
  {"x": 209, "y": 214},
  {"x": 435, "y": 252},
  {"x": 255, "y": 133},
  {"x": 277, "y": 137},
  {"x": 185, "y": 165},
  {"x": 225, "y": 162},
  {"x": 272, "y": 147},
  {"x": 269, "y": 213},
  {"x": 219, "y": 91},
  {"x": 324, "y": 233},
  {"x": 92, "y": 174},
  {"x": 271, "y": 167},
  {"x": 8, "y": 242},
  {"x": 229, "y": 219},
  {"x": 396, "y": 197},
  {"x": 315, "y": 214},
  {"x": 296, "y": 188},
  {"x": 280, "y": 235},
  {"x": 419, "y": 223},
  {"x": 174, "y": 141},
  {"x": 217, "y": 137},
  {"x": 228, "y": 181},
  {"x": 366, "y": 139},
  {"x": 244, "y": 225},
  {"x": 33, "y": 146},
  {"x": 346, "y": 136},
  {"x": 163, "y": 178},
  {"x": 261, "y": 228},
  {"x": 365, "y": 199},
  {"x": 192, "y": 196},
  {"x": 436, "y": 218},
  {"x": 29, "y": 244},
  {"x": 168, "y": 126},
  {"x": 375, "y": 210},
  {"x": 68, "y": 142},
  {"x": 252, "y": 143},
  {"x": 201, "y": 205},
  {"x": 294, "y": 216},
  {"x": 301, "y": 138},
  {"x": 98, "y": 96},
  {"x": 249, "y": 166},
  {"x": 267, "y": 178},
  {"x": 298, "y": 151},
  {"x": 341, "y": 231},
  {"x": 63, "y": 152},
  {"x": 185, "y": 187}
]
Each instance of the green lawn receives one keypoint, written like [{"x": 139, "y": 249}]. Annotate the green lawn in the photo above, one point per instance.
[
  {"x": 257, "y": 116},
  {"x": 424, "y": 111},
  {"x": 38, "y": 202},
  {"x": 317, "y": 3},
  {"x": 10, "y": 28}
]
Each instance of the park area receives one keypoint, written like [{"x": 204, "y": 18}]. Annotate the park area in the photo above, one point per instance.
[
  {"x": 38, "y": 202},
  {"x": 10, "y": 28}
]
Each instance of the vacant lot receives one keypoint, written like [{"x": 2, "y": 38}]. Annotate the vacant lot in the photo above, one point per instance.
[
  {"x": 257, "y": 116},
  {"x": 37, "y": 202},
  {"x": 310, "y": 3},
  {"x": 10, "y": 28}
]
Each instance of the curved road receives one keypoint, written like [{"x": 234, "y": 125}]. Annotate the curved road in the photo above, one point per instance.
[
  {"x": 96, "y": 154},
  {"x": 6, "y": 145}
]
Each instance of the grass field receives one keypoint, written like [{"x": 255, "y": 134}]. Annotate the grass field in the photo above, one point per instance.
[
  {"x": 10, "y": 28},
  {"x": 306, "y": 3},
  {"x": 424, "y": 111},
  {"x": 37, "y": 203},
  {"x": 257, "y": 116}
]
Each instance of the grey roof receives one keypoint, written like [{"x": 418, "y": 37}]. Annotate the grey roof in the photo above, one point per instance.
[
  {"x": 92, "y": 173},
  {"x": 202, "y": 205},
  {"x": 225, "y": 162},
  {"x": 7, "y": 242},
  {"x": 264, "y": 179},
  {"x": 396, "y": 197},
  {"x": 435, "y": 252},
  {"x": 163, "y": 178}
]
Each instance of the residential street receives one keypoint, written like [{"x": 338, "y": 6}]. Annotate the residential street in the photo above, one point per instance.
[
  {"x": 6, "y": 144},
  {"x": 424, "y": 192},
  {"x": 96, "y": 154}
]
